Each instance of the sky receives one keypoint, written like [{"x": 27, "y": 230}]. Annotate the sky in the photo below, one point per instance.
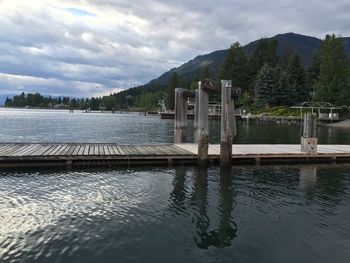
[{"x": 96, "y": 47}]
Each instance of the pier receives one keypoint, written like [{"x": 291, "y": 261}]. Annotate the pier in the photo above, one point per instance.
[{"x": 80, "y": 155}]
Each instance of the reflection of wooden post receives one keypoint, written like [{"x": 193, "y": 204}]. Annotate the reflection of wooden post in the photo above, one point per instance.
[
  {"x": 309, "y": 138},
  {"x": 195, "y": 122},
  {"x": 180, "y": 118},
  {"x": 203, "y": 129},
  {"x": 226, "y": 123}
]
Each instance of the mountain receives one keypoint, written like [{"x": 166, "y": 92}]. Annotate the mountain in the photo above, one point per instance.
[{"x": 191, "y": 70}]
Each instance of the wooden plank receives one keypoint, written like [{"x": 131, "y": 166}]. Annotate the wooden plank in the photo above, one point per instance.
[
  {"x": 141, "y": 149},
  {"x": 49, "y": 150},
  {"x": 71, "y": 150},
  {"x": 126, "y": 149},
  {"x": 21, "y": 149},
  {"x": 81, "y": 149},
  {"x": 91, "y": 149},
  {"x": 34, "y": 148},
  {"x": 106, "y": 150},
  {"x": 111, "y": 150},
  {"x": 101, "y": 150},
  {"x": 135, "y": 150},
  {"x": 86, "y": 150},
  {"x": 60, "y": 149},
  {"x": 10, "y": 149},
  {"x": 96, "y": 151},
  {"x": 65, "y": 151},
  {"x": 43, "y": 149},
  {"x": 116, "y": 150}
]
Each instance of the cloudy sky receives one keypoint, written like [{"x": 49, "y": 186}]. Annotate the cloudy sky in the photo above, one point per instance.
[{"x": 94, "y": 47}]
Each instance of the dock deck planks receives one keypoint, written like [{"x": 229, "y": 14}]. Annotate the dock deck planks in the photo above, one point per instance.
[{"x": 39, "y": 154}]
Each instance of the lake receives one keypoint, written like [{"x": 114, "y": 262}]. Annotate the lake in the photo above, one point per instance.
[{"x": 173, "y": 214}]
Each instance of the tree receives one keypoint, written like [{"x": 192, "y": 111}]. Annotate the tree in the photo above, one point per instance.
[
  {"x": 265, "y": 53},
  {"x": 8, "y": 102},
  {"x": 173, "y": 84},
  {"x": 313, "y": 71},
  {"x": 235, "y": 67},
  {"x": 265, "y": 85},
  {"x": 333, "y": 82},
  {"x": 282, "y": 93},
  {"x": 298, "y": 90}
]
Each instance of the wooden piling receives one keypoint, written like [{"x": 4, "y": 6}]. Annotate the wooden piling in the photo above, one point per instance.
[
  {"x": 203, "y": 126},
  {"x": 226, "y": 136},
  {"x": 180, "y": 119},
  {"x": 195, "y": 122},
  {"x": 309, "y": 137}
]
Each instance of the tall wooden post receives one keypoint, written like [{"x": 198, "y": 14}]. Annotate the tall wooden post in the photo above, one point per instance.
[
  {"x": 226, "y": 136},
  {"x": 203, "y": 127},
  {"x": 180, "y": 118},
  {"x": 309, "y": 137},
  {"x": 195, "y": 122}
]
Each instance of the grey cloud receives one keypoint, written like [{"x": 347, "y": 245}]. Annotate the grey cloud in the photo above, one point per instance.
[{"x": 139, "y": 40}]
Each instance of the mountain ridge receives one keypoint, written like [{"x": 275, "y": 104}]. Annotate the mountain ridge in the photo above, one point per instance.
[{"x": 192, "y": 69}]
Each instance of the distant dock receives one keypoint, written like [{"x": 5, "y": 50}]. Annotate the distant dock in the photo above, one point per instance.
[{"x": 79, "y": 155}]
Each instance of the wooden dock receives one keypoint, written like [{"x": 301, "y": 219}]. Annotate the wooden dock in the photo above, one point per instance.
[{"x": 16, "y": 155}]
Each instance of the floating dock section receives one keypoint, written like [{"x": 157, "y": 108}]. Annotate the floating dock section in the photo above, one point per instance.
[{"x": 78, "y": 155}]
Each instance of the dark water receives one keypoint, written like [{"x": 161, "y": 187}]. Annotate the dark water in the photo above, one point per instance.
[
  {"x": 60, "y": 126},
  {"x": 180, "y": 214}
]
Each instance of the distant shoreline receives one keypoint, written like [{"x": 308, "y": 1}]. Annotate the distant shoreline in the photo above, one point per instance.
[{"x": 340, "y": 124}]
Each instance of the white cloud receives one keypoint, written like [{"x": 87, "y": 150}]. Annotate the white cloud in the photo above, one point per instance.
[{"x": 72, "y": 47}]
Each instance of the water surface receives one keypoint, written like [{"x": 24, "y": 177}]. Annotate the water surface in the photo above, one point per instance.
[{"x": 169, "y": 214}]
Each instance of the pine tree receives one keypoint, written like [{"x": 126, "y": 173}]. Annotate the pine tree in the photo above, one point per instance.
[
  {"x": 313, "y": 72},
  {"x": 298, "y": 88},
  {"x": 235, "y": 67},
  {"x": 281, "y": 93},
  {"x": 333, "y": 82},
  {"x": 265, "y": 85},
  {"x": 265, "y": 52}
]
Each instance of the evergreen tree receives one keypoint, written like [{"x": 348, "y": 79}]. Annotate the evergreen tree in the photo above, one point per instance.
[
  {"x": 235, "y": 67},
  {"x": 265, "y": 52},
  {"x": 281, "y": 93},
  {"x": 313, "y": 72},
  {"x": 173, "y": 84},
  {"x": 298, "y": 89},
  {"x": 333, "y": 82},
  {"x": 265, "y": 85}
]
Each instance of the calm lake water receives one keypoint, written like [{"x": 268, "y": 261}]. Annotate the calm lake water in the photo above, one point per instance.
[{"x": 162, "y": 214}]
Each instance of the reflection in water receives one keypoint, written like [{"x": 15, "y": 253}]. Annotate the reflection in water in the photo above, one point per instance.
[
  {"x": 307, "y": 180},
  {"x": 222, "y": 234}
]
